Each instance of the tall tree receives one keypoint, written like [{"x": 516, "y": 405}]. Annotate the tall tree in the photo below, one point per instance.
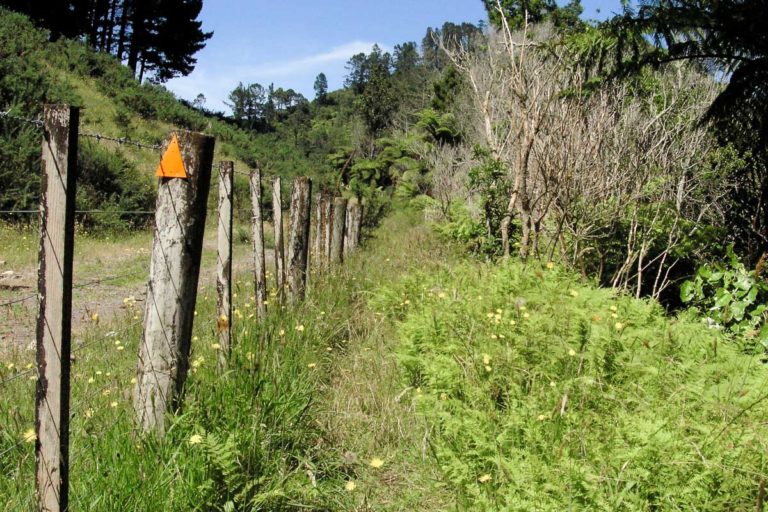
[
  {"x": 156, "y": 37},
  {"x": 321, "y": 88},
  {"x": 248, "y": 104},
  {"x": 520, "y": 12}
]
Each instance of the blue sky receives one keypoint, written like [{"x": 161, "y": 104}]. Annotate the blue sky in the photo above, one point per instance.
[{"x": 289, "y": 43}]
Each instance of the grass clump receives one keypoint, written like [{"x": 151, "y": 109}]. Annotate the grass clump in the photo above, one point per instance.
[{"x": 542, "y": 393}]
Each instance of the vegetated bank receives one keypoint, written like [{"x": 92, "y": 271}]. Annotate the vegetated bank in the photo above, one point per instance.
[{"x": 543, "y": 392}]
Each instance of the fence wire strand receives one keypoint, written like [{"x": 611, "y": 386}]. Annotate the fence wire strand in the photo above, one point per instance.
[{"x": 35, "y": 122}]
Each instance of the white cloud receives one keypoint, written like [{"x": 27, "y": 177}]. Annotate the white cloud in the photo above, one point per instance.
[
  {"x": 309, "y": 64},
  {"x": 298, "y": 74}
]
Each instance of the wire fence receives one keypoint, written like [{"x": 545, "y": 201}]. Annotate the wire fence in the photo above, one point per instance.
[{"x": 100, "y": 375}]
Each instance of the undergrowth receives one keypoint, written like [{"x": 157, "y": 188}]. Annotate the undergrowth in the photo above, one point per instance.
[{"x": 543, "y": 393}]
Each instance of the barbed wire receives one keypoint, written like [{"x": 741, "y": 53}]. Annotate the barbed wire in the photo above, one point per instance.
[
  {"x": 122, "y": 140},
  {"x": 77, "y": 286},
  {"x": 7, "y": 115},
  {"x": 84, "y": 212}
]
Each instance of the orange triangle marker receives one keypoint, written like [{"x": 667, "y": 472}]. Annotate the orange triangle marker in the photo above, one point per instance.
[{"x": 172, "y": 165}]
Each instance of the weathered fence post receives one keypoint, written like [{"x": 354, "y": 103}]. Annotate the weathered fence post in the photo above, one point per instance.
[
  {"x": 327, "y": 227},
  {"x": 298, "y": 244},
  {"x": 277, "y": 214},
  {"x": 172, "y": 289},
  {"x": 339, "y": 222},
  {"x": 260, "y": 277},
  {"x": 354, "y": 220},
  {"x": 319, "y": 248},
  {"x": 224, "y": 266},
  {"x": 54, "y": 318}
]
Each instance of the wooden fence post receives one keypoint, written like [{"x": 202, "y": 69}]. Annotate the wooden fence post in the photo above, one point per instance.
[
  {"x": 319, "y": 248},
  {"x": 327, "y": 228},
  {"x": 172, "y": 290},
  {"x": 260, "y": 277},
  {"x": 339, "y": 222},
  {"x": 298, "y": 244},
  {"x": 354, "y": 220},
  {"x": 54, "y": 318},
  {"x": 224, "y": 260},
  {"x": 277, "y": 214}
]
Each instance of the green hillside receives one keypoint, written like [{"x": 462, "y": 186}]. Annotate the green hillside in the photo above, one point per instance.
[{"x": 35, "y": 71}]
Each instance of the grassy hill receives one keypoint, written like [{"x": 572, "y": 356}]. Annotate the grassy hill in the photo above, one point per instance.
[{"x": 35, "y": 71}]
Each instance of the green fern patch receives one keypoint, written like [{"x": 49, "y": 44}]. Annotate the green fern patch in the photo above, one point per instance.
[{"x": 543, "y": 393}]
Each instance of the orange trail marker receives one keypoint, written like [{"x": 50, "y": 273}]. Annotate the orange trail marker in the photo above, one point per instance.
[{"x": 172, "y": 165}]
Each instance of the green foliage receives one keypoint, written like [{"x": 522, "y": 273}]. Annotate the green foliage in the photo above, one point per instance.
[
  {"x": 461, "y": 227},
  {"x": 442, "y": 128},
  {"x": 107, "y": 181},
  {"x": 731, "y": 297},
  {"x": 489, "y": 180},
  {"x": 521, "y": 12},
  {"x": 542, "y": 393}
]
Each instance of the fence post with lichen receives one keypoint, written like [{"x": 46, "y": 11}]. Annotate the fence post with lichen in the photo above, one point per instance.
[
  {"x": 224, "y": 261},
  {"x": 337, "y": 235},
  {"x": 298, "y": 243},
  {"x": 180, "y": 215},
  {"x": 260, "y": 271}
]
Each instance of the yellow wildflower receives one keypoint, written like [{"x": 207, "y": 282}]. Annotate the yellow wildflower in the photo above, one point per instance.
[
  {"x": 311, "y": 365},
  {"x": 571, "y": 352},
  {"x": 487, "y": 368},
  {"x": 613, "y": 308},
  {"x": 113, "y": 404},
  {"x": 299, "y": 328},
  {"x": 195, "y": 439},
  {"x": 550, "y": 265},
  {"x": 574, "y": 293},
  {"x": 89, "y": 413},
  {"x": 133, "y": 380},
  {"x": 91, "y": 380},
  {"x": 215, "y": 346},
  {"x": 619, "y": 326},
  {"x": 120, "y": 348},
  {"x": 350, "y": 486},
  {"x": 30, "y": 436},
  {"x": 484, "y": 478},
  {"x": 486, "y": 359},
  {"x": 542, "y": 417},
  {"x": 376, "y": 463}
]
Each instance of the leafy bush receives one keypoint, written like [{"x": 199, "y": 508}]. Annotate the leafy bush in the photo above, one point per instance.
[
  {"x": 108, "y": 182},
  {"x": 545, "y": 394},
  {"x": 731, "y": 297}
]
